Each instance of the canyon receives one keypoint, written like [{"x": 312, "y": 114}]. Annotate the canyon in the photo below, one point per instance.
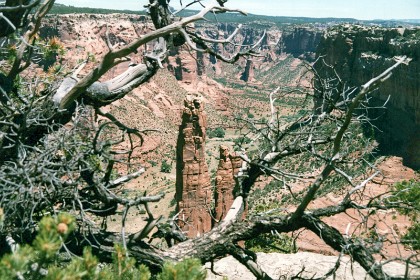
[
  {"x": 183, "y": 142},
  {"x": 204, "y": 176}
]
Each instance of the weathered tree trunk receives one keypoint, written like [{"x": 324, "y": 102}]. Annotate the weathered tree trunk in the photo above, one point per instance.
[{"x": 359, "y": 252}]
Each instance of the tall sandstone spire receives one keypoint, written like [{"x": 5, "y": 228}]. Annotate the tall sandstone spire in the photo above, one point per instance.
[
  {"x": 196, "y": 200},
  {"x": 193, "y": 189}
]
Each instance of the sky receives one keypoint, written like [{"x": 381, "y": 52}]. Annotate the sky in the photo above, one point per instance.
[{"x": 359, "y": 9}]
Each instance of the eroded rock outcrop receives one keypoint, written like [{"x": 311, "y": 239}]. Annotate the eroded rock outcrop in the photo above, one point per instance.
[
  {"x": 359, "y": 53},
  {"x": 193, "y": 189},
  {"x": 196, "y": 198},
  {"x": 304, "y": 264},
  {"x": 229, "y": 165}
]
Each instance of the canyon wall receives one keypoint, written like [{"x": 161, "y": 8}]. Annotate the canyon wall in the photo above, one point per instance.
[
  {"x": 85, "y": 34},
  {"x": 188, "y": 65},
  {"x": 301, "y": 42},
  {"x": 185, "y": 64},
  {"x": 358, "y": 53}
]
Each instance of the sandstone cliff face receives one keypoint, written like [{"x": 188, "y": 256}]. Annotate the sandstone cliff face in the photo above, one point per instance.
[
  {"x": 186, "y": 65},
  {"x": 358, "y": 53},
  {"x": 193, "y": 189},
  {"x": 302, "y": 42},
  {"x": 154, "y": 105}
]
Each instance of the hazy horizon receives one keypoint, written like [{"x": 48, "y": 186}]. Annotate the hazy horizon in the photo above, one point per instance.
[{"x": 358, "y": 9}]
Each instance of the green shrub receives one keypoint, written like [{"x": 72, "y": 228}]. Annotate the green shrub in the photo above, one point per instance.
[
  {"x": 406, "y": 197},
  {"x": 412, "y": 237},
  {"x": 30, "y": 262},
  {"x": 172, "y": 203},
  {"x": 271, "y": 242},
  {"x": 152, "y": 163},
  {"x": 189, "y": 269},
  {"x": 242, "y": 140},
  {"x": 218, "y": 132},
  {"x": 165, "y": 167},
  {"x": 124, "y": 267}
]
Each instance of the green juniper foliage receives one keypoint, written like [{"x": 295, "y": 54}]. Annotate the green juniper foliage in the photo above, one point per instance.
[
  {"x": 189, "y": 269},
  {"x": 272, "y": 242},
  {"x": 406, "y": 195},
  {"x": 165, "y": 167},
  {"x": 218, "y": 132},
  {"x": 40, "y": 261}
]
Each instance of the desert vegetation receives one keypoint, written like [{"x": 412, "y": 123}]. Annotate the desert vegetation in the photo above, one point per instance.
[{"x": 65, "y": 161}]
